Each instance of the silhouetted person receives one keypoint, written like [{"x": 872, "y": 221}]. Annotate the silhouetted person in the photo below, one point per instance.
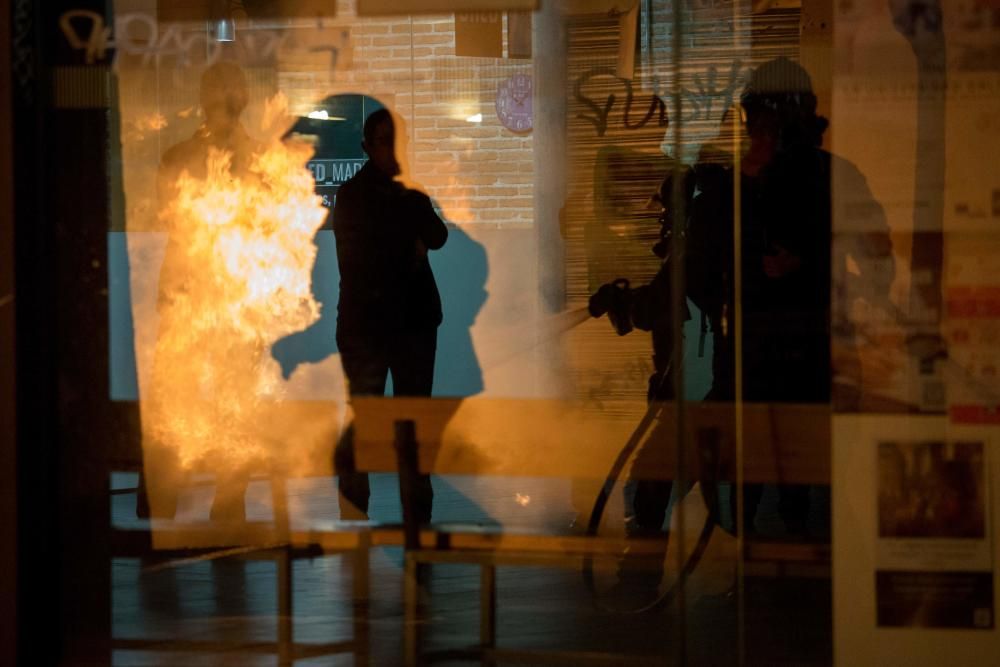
[
  {"x": 180, "y": 362},
  {"x": 648, "y": 307},
  {"x": 389, "y": 308},
  {"x": 789, "y": 262},
  {"x": 788, "y": 266},
  {"x": 334, "y": 140}
]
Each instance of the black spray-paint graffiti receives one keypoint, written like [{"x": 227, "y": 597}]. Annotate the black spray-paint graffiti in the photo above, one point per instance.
[
  {"x": 709, "y": 92},
  {"x": 599, "y": 119}
]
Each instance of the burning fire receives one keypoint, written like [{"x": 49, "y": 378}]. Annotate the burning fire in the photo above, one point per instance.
[{"x": 236, "y": 279}]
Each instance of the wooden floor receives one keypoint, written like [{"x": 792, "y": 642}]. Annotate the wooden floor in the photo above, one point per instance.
[{"x": 787, "y": 621}]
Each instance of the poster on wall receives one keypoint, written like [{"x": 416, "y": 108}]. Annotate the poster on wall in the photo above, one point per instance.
[
  {"x": 915, "y": 515},
  {"x": 934, "y": 548}
]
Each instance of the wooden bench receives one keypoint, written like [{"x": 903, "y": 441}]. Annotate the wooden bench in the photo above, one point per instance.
[
  {"x": 509, "y": 437},
  {"x": 168, "y": 543},
  {"x": 771, "y": 443}
]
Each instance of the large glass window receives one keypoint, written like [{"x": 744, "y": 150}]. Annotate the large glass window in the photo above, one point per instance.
[{"x": 601, "y": 331}]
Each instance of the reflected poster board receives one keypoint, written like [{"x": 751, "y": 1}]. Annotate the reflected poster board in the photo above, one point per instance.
[
  {"x": 935, "y": 536},
  {"x": 915, "y": 495},
  {"x": 909, "y": 586}
]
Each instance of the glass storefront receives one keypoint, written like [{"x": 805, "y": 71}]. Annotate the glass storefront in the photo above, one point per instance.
[{"x": 501, "y": 331}]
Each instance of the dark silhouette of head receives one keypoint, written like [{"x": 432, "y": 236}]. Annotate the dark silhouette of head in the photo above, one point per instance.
[
  {"x": 224, "y": 96},
  {"x": 380, "y": 142},
  {"x": 779, "y": 103}
]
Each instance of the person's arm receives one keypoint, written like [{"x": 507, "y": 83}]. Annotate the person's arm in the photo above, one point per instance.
[{"x": 431, "y": 230}]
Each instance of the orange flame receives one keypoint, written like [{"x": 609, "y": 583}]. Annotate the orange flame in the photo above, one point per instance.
[{"x": 239, "y": 279}]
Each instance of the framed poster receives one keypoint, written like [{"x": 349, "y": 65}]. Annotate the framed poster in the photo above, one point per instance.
[
  {"x": 934, "y": 544},
  {"x": 915, "y": 520}
]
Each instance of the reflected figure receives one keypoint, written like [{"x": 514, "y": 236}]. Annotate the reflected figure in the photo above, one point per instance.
[
  {"x": 788, "y": 266},
  {"x": 788, "y": 261},
  {"x": 648, "y": 307},
  {"x": 390, "y": 307},
  {"x": 235, "y": 277},
  {"x": 224, "y": 96}
]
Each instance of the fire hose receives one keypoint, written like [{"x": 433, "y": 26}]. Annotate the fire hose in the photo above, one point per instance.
[{"x": 709, "y": 491}]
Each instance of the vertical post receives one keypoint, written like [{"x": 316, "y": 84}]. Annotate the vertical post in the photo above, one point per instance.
[
  {"x": 406, "y": 447},
  {"x": 411, "y": 609},
  {"x": 407, "y": 461},
  {"x": 361, "y": 594},
  {"x": 279, "y": 508},
  {"x": 8, "y": 425},
  {"x": 34, "y": 366},
  {"x": 549, "y": 149},
  {"x": 709, "y": 444},
  {"x": 488, "y": 612},
  {"x": 678, "y": 306},
  {"x": 737, "y": 333},
  {"x": 279, "y": 505},
  {"x": 286, "y": 649}
]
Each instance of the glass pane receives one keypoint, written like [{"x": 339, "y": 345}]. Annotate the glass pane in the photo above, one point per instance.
[{"x": 641, "y": 331}]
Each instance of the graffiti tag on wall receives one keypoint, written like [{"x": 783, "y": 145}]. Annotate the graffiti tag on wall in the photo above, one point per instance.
[
  {"x": 709, "y": 92},
  {"x": 141, "y": 36}
]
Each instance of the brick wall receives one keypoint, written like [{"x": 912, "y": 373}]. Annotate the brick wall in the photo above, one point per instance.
[{"x": 477, "y": 172}]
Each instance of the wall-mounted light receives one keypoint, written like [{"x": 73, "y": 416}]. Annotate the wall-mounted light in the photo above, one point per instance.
[
  {"x": 475, "y": 118},
  {"x": 321, "y": 114},
  {"x": 225, "y": 30},
  {"x": 224, "y": 15}
]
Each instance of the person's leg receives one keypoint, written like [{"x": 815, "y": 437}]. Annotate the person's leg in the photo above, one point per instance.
[
  {"x": 752, "y": 494},
  {"x": 366, "y": 367},
  {"x": 639, "y": 576},
  {"x": 646, "y": 503},
  {"x": 411, "y": 362},
  {"x": 649, "y": 506},
  {"x": 793, "y": 506}
]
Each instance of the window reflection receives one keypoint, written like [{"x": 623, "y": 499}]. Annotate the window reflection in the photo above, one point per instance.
[{"x": 353, "y": 256}]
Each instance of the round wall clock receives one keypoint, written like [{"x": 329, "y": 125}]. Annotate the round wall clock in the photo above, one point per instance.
[{"x": 514, "y": 103}]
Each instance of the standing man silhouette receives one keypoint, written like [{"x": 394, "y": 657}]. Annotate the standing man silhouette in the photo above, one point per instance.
[{"x": 389, "y": 309}]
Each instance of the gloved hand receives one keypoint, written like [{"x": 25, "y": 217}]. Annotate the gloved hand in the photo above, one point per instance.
[{"x": 614, "y": 298}]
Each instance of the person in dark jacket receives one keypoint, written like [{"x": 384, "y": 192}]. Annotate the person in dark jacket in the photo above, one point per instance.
[
  {"x": 790, "y": 261},
  {"x": 389, "y": 308}
]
